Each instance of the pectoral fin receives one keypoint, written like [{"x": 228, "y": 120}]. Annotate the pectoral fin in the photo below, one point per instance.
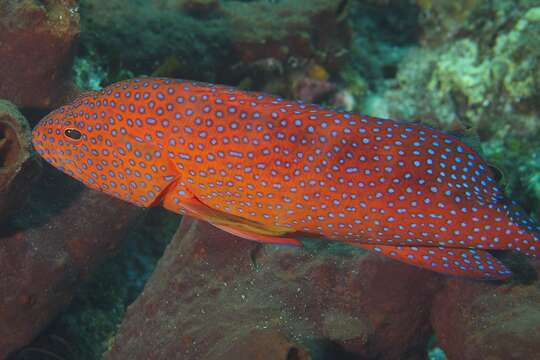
[
  {"x": 250, "y": 235},
  {"x": 472, "y": 263},
  {"x": 232, "y": 224}
]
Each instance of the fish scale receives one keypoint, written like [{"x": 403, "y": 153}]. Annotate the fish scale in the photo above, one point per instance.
[{"x": 266, "y": 169}]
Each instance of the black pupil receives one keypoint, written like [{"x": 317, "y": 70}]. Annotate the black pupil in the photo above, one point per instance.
[{"x": 73, "y": 134}]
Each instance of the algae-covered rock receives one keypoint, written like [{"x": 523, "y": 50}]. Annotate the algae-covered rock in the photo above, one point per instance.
[
  {"x": 226, "y": 41},
  {"x": 139, "y": 37}
]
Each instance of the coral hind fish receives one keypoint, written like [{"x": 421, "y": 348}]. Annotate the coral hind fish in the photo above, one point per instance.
[{"x": 265, "y": 169}]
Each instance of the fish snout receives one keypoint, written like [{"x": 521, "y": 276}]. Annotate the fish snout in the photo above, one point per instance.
[
  {"x": 45, "y": 140},
  {"x": 39, "y": 137}
]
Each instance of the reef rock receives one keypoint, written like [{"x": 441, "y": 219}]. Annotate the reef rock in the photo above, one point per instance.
[
  {"x": 36, "y": 40},
  {"x": 476, "y": 320},
  {"x": 213, "y": 295},
  {"x": 18, "y": 167},
  {"x": 40, "y": 266}
]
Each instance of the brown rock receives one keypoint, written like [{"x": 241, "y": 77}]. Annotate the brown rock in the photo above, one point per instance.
[
  {"x": 40, "y": 267},
  {"x": 18, "y": 166},
  {"x": 212, "y": 292},
  {"x": 479, "y": 320},
  {"x": 261, "y": 345},
  {"x": 36, "y": 40}
]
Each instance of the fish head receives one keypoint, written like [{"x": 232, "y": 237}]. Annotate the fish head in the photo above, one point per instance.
[
  {"x": 60, "y": 139},
  {"x": 90, "y": 140}
]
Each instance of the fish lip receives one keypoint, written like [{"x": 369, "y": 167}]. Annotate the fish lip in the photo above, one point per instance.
[
  {"x": 38, "y": 127},
  {"x": 35, "y": 135}
]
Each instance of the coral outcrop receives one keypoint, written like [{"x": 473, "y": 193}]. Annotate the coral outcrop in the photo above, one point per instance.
[{"x": 212, "y": 292}]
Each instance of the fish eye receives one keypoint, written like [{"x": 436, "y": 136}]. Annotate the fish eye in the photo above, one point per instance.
[{"x": 73, "y": 134}]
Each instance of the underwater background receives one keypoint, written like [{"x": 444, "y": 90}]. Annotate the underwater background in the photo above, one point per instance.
[{"x": 72, "y": 260}]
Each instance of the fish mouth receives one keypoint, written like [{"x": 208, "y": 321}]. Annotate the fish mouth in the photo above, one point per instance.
[
  {"x": 36, "y": 141},
  {"x": 39, "y": 134},
  {"x": 39, "y": 142}
]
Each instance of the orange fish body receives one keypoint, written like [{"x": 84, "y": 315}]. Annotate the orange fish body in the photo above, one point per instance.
[{"x": 264, "y": 168}]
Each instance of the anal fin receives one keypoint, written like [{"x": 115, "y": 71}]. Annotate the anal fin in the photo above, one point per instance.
[{"x": 471, "y": 263}]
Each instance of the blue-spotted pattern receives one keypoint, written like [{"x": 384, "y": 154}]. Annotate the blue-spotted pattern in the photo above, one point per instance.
[{"x": 399, "y": 189}]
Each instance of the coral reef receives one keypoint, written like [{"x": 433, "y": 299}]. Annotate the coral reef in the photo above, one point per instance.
[
  {"x": 37, "y": 40},
  {"x": 211, "y": 292},
  {"x": 19, "y": 168}
]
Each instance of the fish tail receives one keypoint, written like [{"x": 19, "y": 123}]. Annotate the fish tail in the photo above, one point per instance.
[{"x": 524, "y": 231}]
